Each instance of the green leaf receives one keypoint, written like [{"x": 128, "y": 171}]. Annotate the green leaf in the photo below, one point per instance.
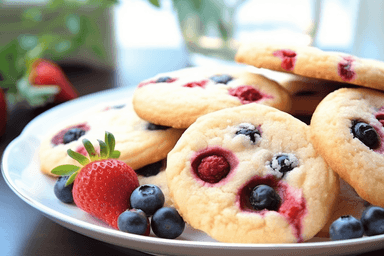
[
  {"x": 71, "y": 178},
  {"x": 115, "y": 154},
  {"x": 78, "y": 157},
  {"x": 90, "y": 149},
  {"x": 10, "y": 69},
  {"x": 104, "y": 150},
  {"x": 65, "y": 170},
  {"x": 155, "y": 2},
  {"x": 110, "y": 141}
]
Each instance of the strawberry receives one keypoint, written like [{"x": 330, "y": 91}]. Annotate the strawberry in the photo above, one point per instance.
[
  {"x": 3, "y": 112},
  {"x": 44, "y": 72},
  {"x": 103, "y": 185}
]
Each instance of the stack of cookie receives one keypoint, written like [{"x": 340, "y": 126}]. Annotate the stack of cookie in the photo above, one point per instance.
[
  {"x": 228, "y": 150},
  {"x": 245, "y": 169},
  {"x": 347, "y": 121}
]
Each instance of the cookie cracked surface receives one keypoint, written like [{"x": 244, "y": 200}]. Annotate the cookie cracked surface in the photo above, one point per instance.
[
  {"x": 347, "y": 129},
  {"x": 250, "y": 146}
]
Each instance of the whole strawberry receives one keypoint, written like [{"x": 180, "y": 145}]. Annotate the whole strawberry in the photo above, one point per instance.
[
  {"x": 45, "y": 72},
  {"x": 103, "y": 186}
]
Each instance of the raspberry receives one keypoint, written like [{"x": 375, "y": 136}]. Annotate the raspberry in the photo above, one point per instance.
[
  {"x": 246, "y": 94},
  {"x": 196, "y": 84},
  {"x": 345, "y": 70},
  {"x": 213, "y": 168},
  {"x": 288, "y": 58}
]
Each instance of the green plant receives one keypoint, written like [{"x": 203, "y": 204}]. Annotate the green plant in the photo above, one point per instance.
[{"x": 53, "y": 31}]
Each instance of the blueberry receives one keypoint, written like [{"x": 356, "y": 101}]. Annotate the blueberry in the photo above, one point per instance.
[
  {"x": 346, "y": 227},
  {"x": 133, "y": 221},
  {"x": 155, "y": 127},
  {"x": 118, "y": 106},
  {"x": 150, "y": 169},
  {"x": 373, "y": 220},
  {"x": 284, "y": 163},
  {"x": 264, "y": 197},
  {"x": 62, "y": 192},
  {"x": 163, "y": 79},
  {"x": 366, "y": 134},
  {"x": 250, "y": 131},
  {"x": 148, "y": 198},
  {"x": 222, "y": 79},
  {"x": 72, "y": 135},
  {"x": 167, "y": 223}
]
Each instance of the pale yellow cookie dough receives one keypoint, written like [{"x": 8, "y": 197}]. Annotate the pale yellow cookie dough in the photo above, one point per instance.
[
  {"x": 356, "y": 163},
  {"x": 172, "y": 104},
  {"x": 216, "y": 208}
]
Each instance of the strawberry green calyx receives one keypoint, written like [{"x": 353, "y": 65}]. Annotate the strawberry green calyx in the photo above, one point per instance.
[{"x": 107, "y": 151}]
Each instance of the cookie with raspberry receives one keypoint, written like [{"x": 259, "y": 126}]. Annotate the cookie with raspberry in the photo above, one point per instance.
[
  {"x": 312, "y": 62},
  {"x": 140, "y": 143},
  {"x": 249, "y": 174},
  {"x": 347, "y": 130},
  {"x": 177, "y": 98}
]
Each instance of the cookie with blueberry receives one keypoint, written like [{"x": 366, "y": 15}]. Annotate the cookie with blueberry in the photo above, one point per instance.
[
  {"x": 347, "y": 130},
  {"x": 313, "y": 62},
  {"x": 140, "y": 143},
  {"x": 178, "y": 98},
  {"x": 250, "y": 174}
]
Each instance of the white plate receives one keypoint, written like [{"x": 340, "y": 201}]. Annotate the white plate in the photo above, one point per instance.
[{"x": 20, "y": 168}]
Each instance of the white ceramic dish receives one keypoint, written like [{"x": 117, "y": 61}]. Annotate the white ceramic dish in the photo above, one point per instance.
[{"x": 20, "y": 168}]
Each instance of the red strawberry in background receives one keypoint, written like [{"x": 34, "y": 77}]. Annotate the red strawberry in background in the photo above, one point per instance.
[
  {"x": 45, "y": 72},
  {"x": 3, "y": 112},
  {"x": 103, "y": 186}
]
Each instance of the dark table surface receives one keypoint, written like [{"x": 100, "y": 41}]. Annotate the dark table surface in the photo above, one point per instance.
[{"x": 23, "y": 229}]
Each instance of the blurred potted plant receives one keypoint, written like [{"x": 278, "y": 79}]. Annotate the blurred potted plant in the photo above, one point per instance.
[{"x": 36, "y": 36}]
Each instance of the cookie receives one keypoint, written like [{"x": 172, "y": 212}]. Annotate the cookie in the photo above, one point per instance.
[
  {"x": 250, "y": 174},
  {"x": 347, "y": 130},
  {"x": 177, "y": 98},
  {"x": 312, "y": 62},
  {"x": 307, "y": 92},
  {"x": 140, "y": 142}
]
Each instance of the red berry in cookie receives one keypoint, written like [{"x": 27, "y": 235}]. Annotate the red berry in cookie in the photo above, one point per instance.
[
  {"x": 213, "y": 165},
  {"x": 288, "y": 58},
  {"x": 366, "y": 134},
  {"x": 345, "y": 69},
  {"x": 196, "y": 84},
  {"x": 213, "y": 168},
  {"x": 247, "y": 94},
  {"x": 103, "y": 186}
]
